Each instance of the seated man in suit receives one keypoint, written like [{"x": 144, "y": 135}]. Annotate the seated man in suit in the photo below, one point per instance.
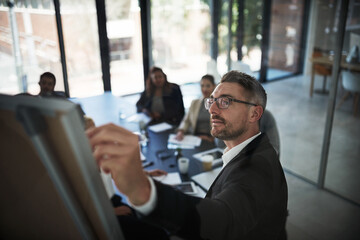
[
  {"x": 248, "y": 199},
  {"x": 47, "y": 86}
]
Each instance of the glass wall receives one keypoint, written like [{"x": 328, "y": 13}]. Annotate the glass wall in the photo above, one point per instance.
[
  {"x": 253, "y": 20},
  {"x": 81, "y": 39},
  {"x": 31, "y": 36},
  {"x": 124, "y": 34},
  {"x": 8, "y": 79},
  {"x": 181, "y": 38},
  {"x": 285, "y": 38},
  {"x": 343, "y": 163}
]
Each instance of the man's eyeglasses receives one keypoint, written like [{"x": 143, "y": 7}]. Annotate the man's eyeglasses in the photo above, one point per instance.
[{"x": 223, "y": 102}]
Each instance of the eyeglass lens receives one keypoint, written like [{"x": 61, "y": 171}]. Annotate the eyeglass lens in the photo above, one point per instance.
[{"x": 221, "y": 102}]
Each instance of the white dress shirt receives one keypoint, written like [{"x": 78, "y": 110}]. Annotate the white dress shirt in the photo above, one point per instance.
[{"x": 228, "y": 155}]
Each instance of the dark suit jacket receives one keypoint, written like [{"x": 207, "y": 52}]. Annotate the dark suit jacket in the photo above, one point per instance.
[
  {"x": 248, "y": 200},
  {"x": 173, "y": 105}
]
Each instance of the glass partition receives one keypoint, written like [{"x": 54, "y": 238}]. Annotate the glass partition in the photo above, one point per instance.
[
  {"x": 124, "y": 34},
  {"x": 253, "y": 20},
  {"x": 8, "y": 80},
  {"x": 36, "y": 39},
  {"x": 81, "y": 40},
  {"x": 301, "y": 118},
  {"x": 300, "y": 121},
  {"x": 181, "y": 38},
  {"x": 342, "y": 175},
  {"x": 285, "y": 38}
]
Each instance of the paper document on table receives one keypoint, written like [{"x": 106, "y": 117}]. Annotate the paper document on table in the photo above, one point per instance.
[
  {"x": 160, "y": 127},
  {"x": 170, "y": 178},
  {"x": 200, "y": 193},
  {"x": 189, "y": 140},
  {"x": 142, "y": 156},
  {"x": 205, "y": 179},
  {"x": 139, "y": 117},
  {"x": 182, "y": 146}
]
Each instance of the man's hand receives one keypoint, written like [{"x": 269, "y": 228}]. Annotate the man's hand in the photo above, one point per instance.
[
  {"x": 179, "y": 135},
  {"x": 116, "y": 151}
]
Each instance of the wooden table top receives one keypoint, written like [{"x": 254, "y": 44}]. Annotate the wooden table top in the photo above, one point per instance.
[{"x": 328, "y": 60}]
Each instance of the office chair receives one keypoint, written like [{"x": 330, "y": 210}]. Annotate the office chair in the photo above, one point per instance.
[
  {"x": 351, "y": 83},
  {"x": 268, "y": 125}
]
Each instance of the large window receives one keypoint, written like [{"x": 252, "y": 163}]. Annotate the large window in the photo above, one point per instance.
[
  {"x": 124, "y": 34},
  {"x": 28, "y": 47},
  {"x": 343, "y": 161},
  {"x": 180, "y": 38},
  {"x": 252, "y": 32},
  {"x": 256, "y": 27},
  {"x": 80, "y": 30},
  {"x": 285, "y": 38}
]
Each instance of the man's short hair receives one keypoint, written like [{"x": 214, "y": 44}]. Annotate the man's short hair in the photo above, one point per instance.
[
  {"x": 254, "y": 91},
  {"x": 48, "y": 75}
]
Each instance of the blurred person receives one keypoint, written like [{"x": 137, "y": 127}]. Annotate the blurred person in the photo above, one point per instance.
[
  {"x": 161, "y": 101},
  {"x": 247, "y": 200},
  {"x": 197, "y": 120},
  {"x": 47, "y": 84}
]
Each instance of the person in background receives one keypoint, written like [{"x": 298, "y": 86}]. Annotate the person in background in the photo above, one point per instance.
[
  {"x": 47, "y": 84},
  {"x": 161, "y": 100},
  {"x": 247, "y": 200},
  {"x": 197, "y": 120}
]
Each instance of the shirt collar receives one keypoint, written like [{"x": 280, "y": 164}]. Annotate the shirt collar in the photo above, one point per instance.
[{"x": 230, "y": 154}]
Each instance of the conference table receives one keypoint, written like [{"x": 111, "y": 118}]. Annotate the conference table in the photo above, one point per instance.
[
  {"x": 107, "y": 108},
  {"x": 328, "y": 62},
  {"x": 162, "y": 157}
]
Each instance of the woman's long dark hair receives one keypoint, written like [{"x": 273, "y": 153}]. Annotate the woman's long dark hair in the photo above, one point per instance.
[{"x": 149, "y": 85}]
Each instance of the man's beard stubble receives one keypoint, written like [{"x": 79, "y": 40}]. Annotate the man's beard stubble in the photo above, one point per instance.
[{"x": 227, "y": 133}]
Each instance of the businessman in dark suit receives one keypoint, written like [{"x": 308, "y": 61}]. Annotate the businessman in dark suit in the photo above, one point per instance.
[{"x": 248, "y": 200}]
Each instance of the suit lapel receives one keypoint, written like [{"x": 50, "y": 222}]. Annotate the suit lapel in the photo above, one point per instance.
[{"x": 249, "y": 148}]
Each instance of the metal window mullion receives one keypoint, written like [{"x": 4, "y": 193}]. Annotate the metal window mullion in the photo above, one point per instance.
[
  {"x": 333, "y": 90},
  {"x": 145, "y": 18},
  {"x": 266, "y": 24},
  {"x": 103, "y": 43},
  {"x": 61, "y": 46}
]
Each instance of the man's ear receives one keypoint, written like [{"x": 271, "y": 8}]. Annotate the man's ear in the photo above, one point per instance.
[{"x": 256, "y": 113}]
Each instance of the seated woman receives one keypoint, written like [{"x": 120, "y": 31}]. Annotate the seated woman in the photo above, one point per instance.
[
  {"x": 161, "y": 100},
  {"x": 197, "y": 120}
]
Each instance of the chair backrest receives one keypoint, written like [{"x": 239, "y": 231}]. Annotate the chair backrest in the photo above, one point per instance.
[
  {"x": 351, "y": 81},
  {"x": 268, "y": 125}
]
